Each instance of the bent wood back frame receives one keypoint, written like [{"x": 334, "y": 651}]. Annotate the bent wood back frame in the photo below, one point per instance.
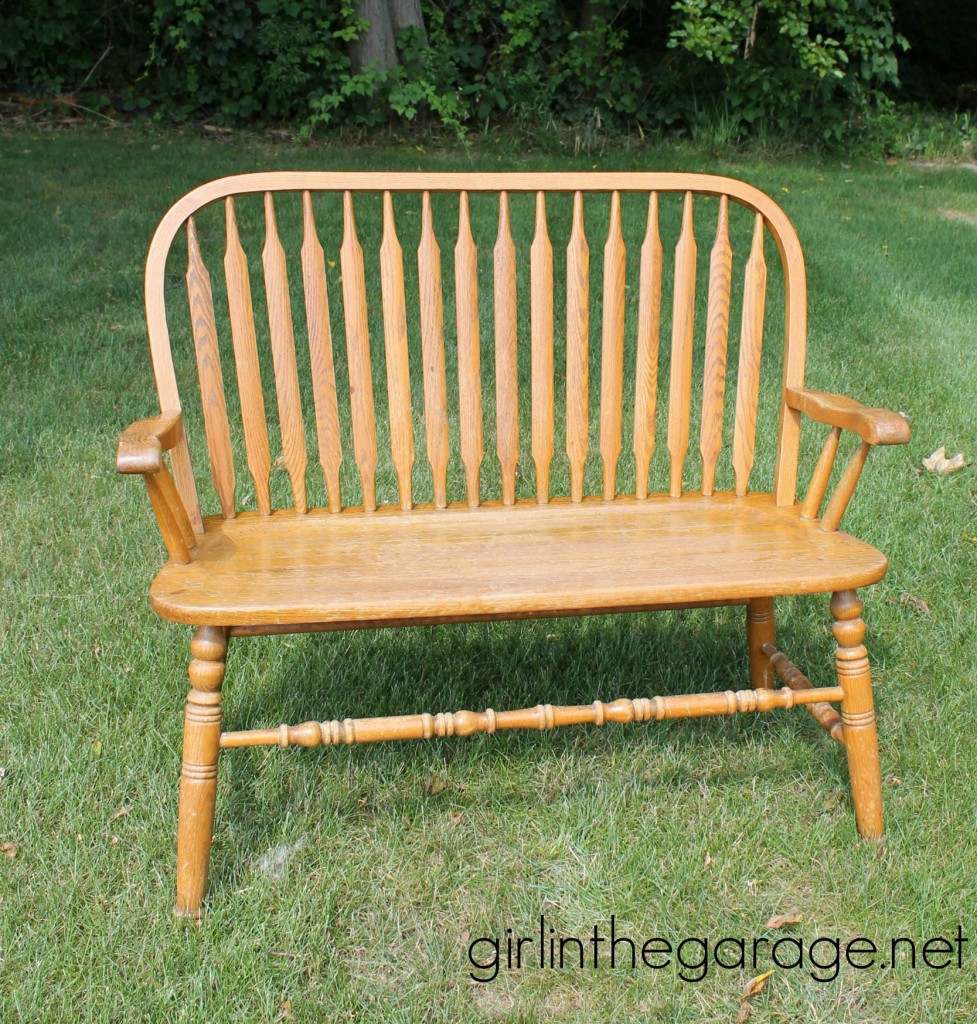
[{"x": 768, "y": 217}]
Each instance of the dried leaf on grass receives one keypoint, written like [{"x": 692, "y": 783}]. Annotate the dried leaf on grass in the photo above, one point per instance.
[
  {"x": 793, "y": 916},
  {"x": 10, "y": 849},
  {"x": 434, "y": 784},
  {"x": 120, "y": 813},
  {"x": 756, "y": 985},
  {"x": 752, "y": 988},
  {"x": 907, "y": 600},
  {"x": 939, "y": 463}
]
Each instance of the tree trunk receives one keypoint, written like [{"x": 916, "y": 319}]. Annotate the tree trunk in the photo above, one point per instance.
[{"x": 378, "y": 45}]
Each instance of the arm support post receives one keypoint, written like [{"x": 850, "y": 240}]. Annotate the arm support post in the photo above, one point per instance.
[{"x": 140, "y": 451}]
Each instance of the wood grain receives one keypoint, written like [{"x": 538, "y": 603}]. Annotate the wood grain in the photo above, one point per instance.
[
  {"x": 246, "y": 360},
  {"x": 506, "y": 353},
  {"x": 683, "y": 325},
  {"x": 612, "y": 349},
  {"x": 811, "y": 508},
  {"x": 493, "y": 561},
  {"x": 321, "y": 356},
  {"x": 541, "y": 319},
  {"x": 748, "y": 375},
  {"x": 358, "y": 355},
  {"x": 283, "y": 357},
  {"x": 717, "y": 336},
  {"x": 646, "y": 368},
  {"x": 432, "y": 344},
  {"x": 541, "y": 718},
  {"x": 209, "y": 373},
  {"x": 578, "y": 355},
  {"x": 469, "y": 354},
  {"x": 395, "y": 348}
]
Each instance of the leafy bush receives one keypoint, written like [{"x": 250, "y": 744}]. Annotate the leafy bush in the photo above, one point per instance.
[{"x": 784, "y": 66}]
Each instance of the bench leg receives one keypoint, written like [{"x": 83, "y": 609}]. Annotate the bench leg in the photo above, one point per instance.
[
  {"x": 760, "y": 630},
  {"x": 858, "y": 713},
  {"x": 198, "y": 780}
]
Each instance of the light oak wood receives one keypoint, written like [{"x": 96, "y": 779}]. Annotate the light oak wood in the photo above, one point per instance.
[
  {"x": 432, "y": 343},
  {"x": 578, "y": 349},
  {"x": 543, "y": 717},
  {"x": 759, "y": 634},
  {"x": 811, "y": 508},
  {"x": 358, "y": 355},
  {"x": 249, "y": 388},
  {"x": 748, "y": 376},
  {"x": 198, "y": 778},
  {"x": 321, "y": 358},
  {"x": 283, "y": 357},
  {"x": 874, "y": 426},
  {"x": 646, "y": 369},
  {"x": 498, "y": 558},
  {"x": 504, "y": 561},
  {"x": 822, "y": 712},
  {"x": 395, "y": 347},
  {"x": 469, "y": 355},
  {"x": 612, "y": 349},
  {"x": 717, "y": 336},
  {"x": 209, "y": 373},
  {"x": 541, "y": 320},
  {"x": 858, "y": 713},
  {"x": 506, "y": 353},
  {"x": 680, "y": 375},
  {"x": 838, "y": 502}
]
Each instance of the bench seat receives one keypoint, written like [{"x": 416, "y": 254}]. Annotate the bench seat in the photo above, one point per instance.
[{"x": 428, "y": 565}]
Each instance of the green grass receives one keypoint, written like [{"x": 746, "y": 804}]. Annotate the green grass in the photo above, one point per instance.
[{"x": 400, "y": 854}]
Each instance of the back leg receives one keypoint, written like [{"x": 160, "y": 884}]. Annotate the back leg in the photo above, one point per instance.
[{"x": 760, "y": 630}]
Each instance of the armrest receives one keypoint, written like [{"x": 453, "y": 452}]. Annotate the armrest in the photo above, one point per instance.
[
  {"x": 873, "y": 426},
  {"x": 140, "y": 451},
  {"x": 142, "y": 444}
]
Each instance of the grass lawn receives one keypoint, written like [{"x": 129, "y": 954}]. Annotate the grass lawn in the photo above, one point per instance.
[{"x": 347, "y": 884}]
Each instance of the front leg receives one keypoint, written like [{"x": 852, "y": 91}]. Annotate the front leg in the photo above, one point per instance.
[
  {"x": 760, "y": 631},
  {"x": 858, "y": 713},
  {"x": 198, "y": 780}
]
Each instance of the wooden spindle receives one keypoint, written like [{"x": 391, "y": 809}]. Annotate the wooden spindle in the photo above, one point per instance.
[
  {"x": 646, "y": 370},
  {"x": 541, "y": 315},
  {"x": 612, "y": 349},
  {"x": 432, "y": 346},
  {"x": 395, "y": 347},
  {"x": 542, "y": 717},
  {"x": 506, "y": 354},
  {"x": 283, "y": 357},
  {"x": 321, "y": 356},
  {"x": 683, "y": 324},
  {"x": 469, "y": 354},
  {"x": 245, "y": 343},
  {"x": 748, "y": 376},
  {"x": 358, "y": 355},
  {"x": 717, "y": 335},
  {"x": 209, "y": 373},
  {"x": 838, "y": 504},
  {"x": 823, "y": 713},
  {"x": 578, "y": 358},
  {"x": 822, "y": 474}
]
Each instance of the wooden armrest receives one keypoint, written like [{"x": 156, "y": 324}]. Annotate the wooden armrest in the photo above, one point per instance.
[
  {"x": 142, "y": 444},
  {"x": 873, "y": 426},
  {"x": 140, "y": 451}
]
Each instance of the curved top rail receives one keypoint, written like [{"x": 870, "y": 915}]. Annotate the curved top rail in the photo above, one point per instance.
[{"x": 748, "y": 195}]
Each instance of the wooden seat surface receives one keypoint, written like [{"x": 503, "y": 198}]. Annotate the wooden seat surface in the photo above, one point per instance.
[{"x": 492, "y": 561}]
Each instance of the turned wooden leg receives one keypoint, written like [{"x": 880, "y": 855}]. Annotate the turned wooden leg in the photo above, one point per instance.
[
  {"x": 198, "y": 780},
  {"x": 858, "y": 713},
  {"x": 760, "y": 630}
]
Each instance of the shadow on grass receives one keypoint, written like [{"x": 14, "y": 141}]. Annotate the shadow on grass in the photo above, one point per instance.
[{"x": 502, "y": 665}]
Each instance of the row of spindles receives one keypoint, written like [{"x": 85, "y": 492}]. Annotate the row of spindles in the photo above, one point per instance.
[{"x": 392, "y": 296}]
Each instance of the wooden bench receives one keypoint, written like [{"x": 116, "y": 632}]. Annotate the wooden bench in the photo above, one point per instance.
[{"x": 578, "y": 528}]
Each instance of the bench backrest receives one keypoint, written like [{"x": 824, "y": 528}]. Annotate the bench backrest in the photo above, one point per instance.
[{"x": 409, "y": 314}]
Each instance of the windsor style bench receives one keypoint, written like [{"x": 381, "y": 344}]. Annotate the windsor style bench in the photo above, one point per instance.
[{"x": 513, "y": 549}]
